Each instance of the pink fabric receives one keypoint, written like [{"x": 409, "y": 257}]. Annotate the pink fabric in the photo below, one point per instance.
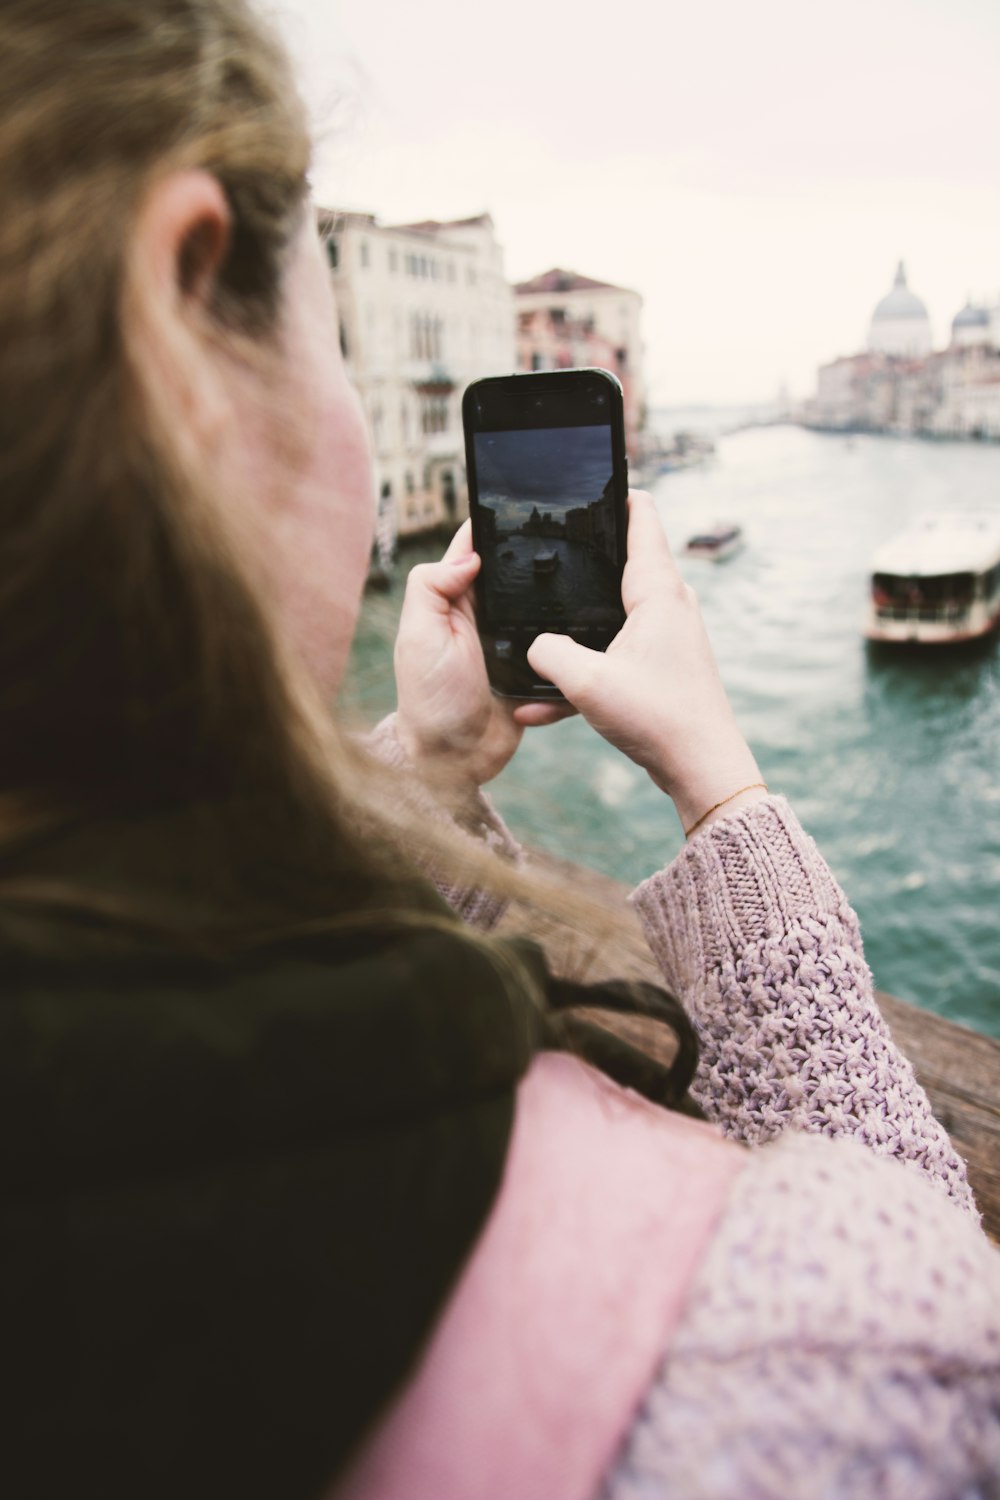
[{"x": 567, "y": 1304}]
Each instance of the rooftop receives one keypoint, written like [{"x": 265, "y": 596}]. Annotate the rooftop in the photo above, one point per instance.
[
  {"x": 434, "y": 226},
  {"x": 971, "y": 317},
  {"x": 558, "y": 280},
  {"x": 900, "y": 303},
  {"x": 942, "y": 542}
]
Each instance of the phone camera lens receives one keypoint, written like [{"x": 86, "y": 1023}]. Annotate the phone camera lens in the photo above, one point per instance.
[{"x": 600, "y": 400}]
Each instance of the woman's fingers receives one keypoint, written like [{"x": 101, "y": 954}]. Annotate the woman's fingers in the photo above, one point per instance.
[
  {"x": 565, "y": 663},
  {"x": 460, "y": 544},
  {"x": 533, "y": 715},
  {"x": 650, "y": 561},
  {"x": 438, "y": 585}
]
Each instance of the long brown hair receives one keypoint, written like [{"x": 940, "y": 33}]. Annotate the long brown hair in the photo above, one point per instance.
[
  {"x": 139, "y": 670},
  {"x": 142, "y": 675}
]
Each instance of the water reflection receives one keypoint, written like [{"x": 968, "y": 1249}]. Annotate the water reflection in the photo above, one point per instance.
[{"x": 549, "y": 579}]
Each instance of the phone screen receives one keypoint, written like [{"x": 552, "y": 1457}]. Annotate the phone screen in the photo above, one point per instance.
[{"x": 547, "y": 486}]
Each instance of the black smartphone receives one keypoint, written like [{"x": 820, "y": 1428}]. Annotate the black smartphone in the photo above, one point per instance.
[{"x": 548, "y": 492}]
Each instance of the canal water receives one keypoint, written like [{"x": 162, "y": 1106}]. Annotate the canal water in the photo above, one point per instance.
[
  {"x": 575, "y": 586},
  {"x": 891, "y": 758}
]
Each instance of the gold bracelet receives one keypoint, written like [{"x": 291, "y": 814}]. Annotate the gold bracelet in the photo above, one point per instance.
[{"x": 751, "y": 788}]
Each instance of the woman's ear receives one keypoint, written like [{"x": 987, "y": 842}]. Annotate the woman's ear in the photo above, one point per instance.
[
  {"x": 179, "y": 241},
  {"x": 182, "y": 235}
]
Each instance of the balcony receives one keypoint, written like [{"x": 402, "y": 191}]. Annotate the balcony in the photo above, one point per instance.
[{"x": 430, "y": 377}]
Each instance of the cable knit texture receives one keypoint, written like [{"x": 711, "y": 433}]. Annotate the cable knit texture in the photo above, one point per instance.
[
  {"x": 842, "y": 1340},
  {"x": 478, "y": 820},
  {"x": 757, "y": 939}
]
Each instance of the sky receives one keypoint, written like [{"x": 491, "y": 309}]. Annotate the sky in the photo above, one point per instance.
[
  {"x": 754, "y": 170},
  {"x": 555, "y": 468}
]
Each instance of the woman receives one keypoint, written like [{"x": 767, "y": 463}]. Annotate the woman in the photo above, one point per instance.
[{"x": 311, "y": 1186}]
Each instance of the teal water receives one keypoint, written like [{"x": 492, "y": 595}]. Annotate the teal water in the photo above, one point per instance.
[{"x": 890, "y": 758}]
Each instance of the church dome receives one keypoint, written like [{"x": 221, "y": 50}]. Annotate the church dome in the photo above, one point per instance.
[
  {"x": 900, "y": 303},
  {"x": 971, "y": 317},
  {"x": 900, "y": 326}
]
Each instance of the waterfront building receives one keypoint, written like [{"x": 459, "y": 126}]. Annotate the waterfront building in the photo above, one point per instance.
[
  {"x": 424, "y": 309},
  {"x": 900, "y": 385},
  {"x": 861, "y": 391},
  {"x": 565, "y": 320},
  {"x": 969, "y": 393},
  {"x": 900, "y": 325}
]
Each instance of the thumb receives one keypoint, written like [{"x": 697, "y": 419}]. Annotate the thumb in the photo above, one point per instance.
[
  {"x": 439, "y": 584},
  {"x": 565, "y": 663}
]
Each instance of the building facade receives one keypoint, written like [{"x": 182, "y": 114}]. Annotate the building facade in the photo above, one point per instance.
[
  {"x": 901, "y": 385},
  {"x": 565, "y": 320},
  {"x": 424, "y": 309}
]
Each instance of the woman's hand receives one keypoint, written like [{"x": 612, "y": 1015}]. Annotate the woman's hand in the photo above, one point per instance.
[
  {"x": 448, "y": 722},
  {"x": 656, "y": 692}
]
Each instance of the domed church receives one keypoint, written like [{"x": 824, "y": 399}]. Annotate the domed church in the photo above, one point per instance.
[
  {"x": 900, "y": 324},
  {"x": 970, "y": 326}
]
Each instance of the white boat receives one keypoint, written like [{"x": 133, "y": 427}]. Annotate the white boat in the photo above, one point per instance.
[
  {"x": 716, "y": 544},
  {"x": 937, "y": 581},
  {"x": 546, "y": 561}
]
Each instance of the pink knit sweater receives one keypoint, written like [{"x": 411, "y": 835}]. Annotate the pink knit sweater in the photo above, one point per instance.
[{"x": 819, "y": 1317}]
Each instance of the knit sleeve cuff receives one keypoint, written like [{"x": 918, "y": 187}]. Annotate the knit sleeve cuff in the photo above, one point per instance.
[
  {"x": 475, "y": 816},
  {"x": 753, "y": 875}
]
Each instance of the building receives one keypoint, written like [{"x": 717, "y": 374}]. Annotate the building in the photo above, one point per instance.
[
  {"x": 900, "y": 325},
  {"x": 973, "y": 325},
  {"x": 424, "y": 309},
  {"x": 900, "y": 385},
  {"x": 565, "y": 320},
  {"x": 969, "y": 404}
]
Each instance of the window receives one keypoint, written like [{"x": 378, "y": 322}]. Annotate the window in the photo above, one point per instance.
[
  {"x": 434, "y": 415},
  {"x": 332, "y": 253},
  {"x": 363, "y": 250},
  {"x": 409, "y": 482}
]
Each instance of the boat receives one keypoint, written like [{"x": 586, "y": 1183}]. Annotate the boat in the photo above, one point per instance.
[
  {"x": 546, "y": 561},
  {"x": 938, "y": 580},
  {"x": 716, "y": 544}
]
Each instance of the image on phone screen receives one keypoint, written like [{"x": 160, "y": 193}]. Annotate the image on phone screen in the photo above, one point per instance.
[{"x": 547, "y": 527}]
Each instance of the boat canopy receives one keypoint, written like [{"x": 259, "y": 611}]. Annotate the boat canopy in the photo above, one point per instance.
[{"x": 943, "y": 543}]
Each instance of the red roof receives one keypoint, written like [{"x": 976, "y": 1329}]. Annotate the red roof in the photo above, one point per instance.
[
  {"x": 431, "y": 226},
  {"x": 558, "y": 280}
]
